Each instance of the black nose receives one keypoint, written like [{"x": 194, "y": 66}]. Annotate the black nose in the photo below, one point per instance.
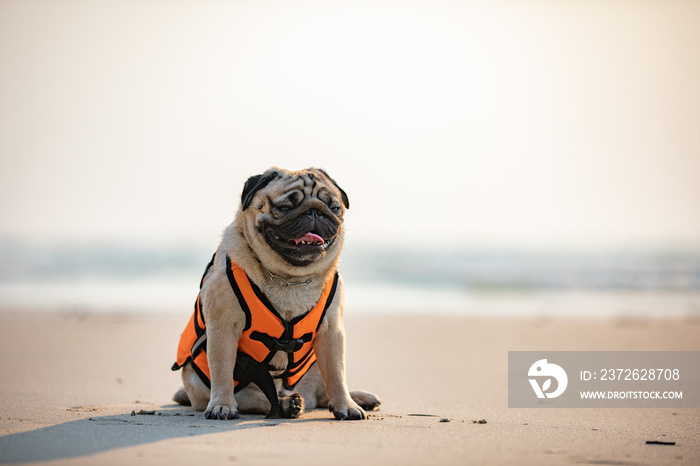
[{"x": 313, "y": 213}]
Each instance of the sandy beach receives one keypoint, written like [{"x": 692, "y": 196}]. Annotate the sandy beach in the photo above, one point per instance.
[{"x": 76, "y": 389}]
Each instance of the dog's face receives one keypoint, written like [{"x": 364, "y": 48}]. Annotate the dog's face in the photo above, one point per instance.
[{"x": 295, "y": 216}]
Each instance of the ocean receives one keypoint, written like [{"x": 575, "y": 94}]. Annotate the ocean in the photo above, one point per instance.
[{"x": 472, "y": 283}]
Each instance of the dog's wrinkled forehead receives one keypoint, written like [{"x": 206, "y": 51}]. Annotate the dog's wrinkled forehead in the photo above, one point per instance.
[
  {"x": 292, "y": 191},
  {"x": 283, "y": 187}
]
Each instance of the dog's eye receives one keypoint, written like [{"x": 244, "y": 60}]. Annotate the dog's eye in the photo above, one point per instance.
[
  {"x": 335, "y": 208},
  {"x": 284, "y": 208}
]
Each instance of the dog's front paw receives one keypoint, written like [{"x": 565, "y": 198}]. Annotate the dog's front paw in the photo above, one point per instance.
[
  {"x": 347, "y": 411},
  {"x": 221, "y": 411}
]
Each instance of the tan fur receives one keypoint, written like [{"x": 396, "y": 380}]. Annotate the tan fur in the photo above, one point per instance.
[{"x": 324, "y": 384}]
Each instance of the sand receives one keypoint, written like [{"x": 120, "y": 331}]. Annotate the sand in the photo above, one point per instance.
[{"x": 70, "y": 383}]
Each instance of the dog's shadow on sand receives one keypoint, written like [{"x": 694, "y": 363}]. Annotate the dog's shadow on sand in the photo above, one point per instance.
[{"x": 99, "y": 434}]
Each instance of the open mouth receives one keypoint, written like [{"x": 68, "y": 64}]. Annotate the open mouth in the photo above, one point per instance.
[
  {"x": 309, "y": 243},
  {"x": 310, "y": 238}
]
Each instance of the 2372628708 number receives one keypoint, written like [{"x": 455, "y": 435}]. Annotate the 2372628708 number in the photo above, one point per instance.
[{"x": 639, "y": 374}]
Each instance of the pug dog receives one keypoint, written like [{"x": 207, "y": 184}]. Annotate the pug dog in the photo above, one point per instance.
[{"x": 267, "y": 332}]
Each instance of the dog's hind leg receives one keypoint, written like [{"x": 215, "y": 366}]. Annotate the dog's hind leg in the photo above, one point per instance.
[
  {"x": 310, "y": 389},
  {"x": 251, "y": 400},
  {"x": 182, "y": 398},
  {"x": 366, "y": 400},
  {"x": 195, "y": 391},
  {"x": 292, "y": 406}
]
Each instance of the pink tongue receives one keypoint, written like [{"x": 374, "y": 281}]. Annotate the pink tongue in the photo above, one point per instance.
[{"x": 310, "y": 238}]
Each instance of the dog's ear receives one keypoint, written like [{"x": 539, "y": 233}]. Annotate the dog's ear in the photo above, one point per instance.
[
  {"x": 343, "y": 196},
  {"x": 255, "y": 184}
]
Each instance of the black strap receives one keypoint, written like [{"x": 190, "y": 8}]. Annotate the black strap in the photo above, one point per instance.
[
  {"x": 206, "y": 270},
  {"x": 287, "y": 345},
  {"x": 239, "y": 294},
  {"x": 249, "y": 370}
]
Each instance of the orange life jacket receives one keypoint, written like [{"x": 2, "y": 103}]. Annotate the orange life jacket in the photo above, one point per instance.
[{"x": 265, "y": 333}]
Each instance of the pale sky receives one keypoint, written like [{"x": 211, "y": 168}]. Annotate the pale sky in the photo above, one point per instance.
[{"x": 462, "y": 123}]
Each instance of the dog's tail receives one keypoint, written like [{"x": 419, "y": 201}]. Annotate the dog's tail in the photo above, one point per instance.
[{"x": 181, "y": 398}]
